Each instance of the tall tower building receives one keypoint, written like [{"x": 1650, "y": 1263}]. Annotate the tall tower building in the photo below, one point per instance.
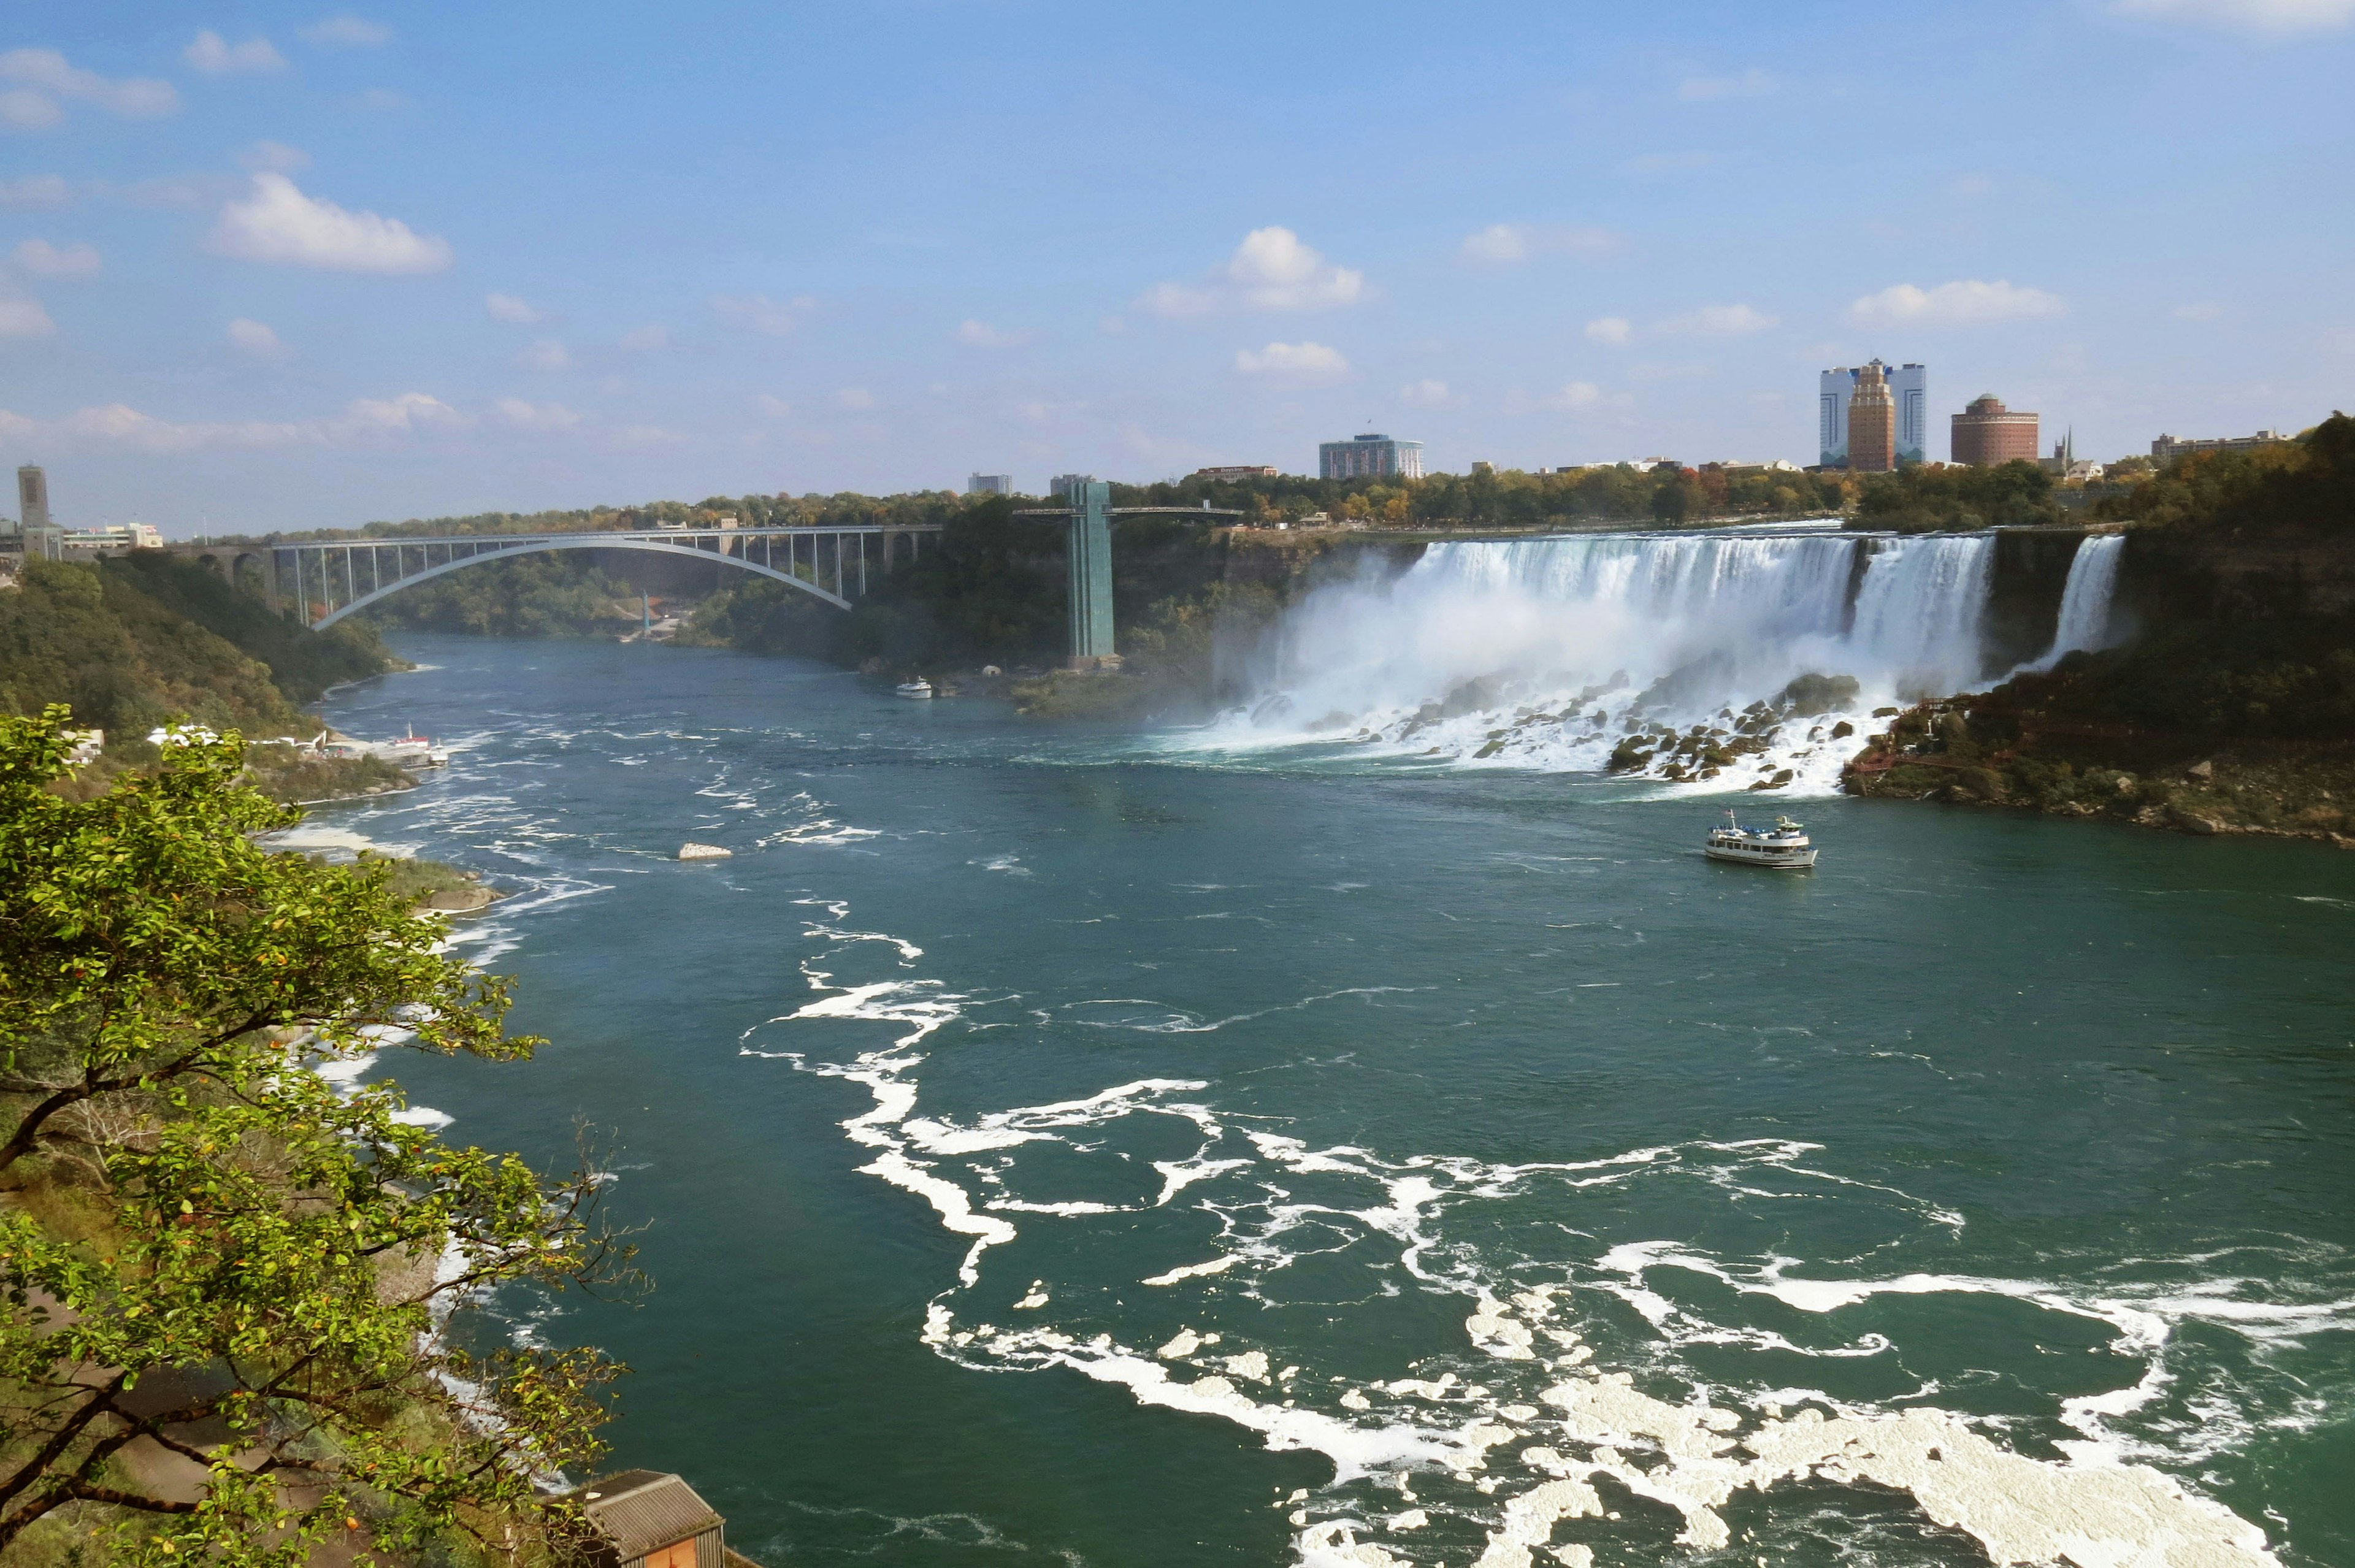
[
  {"x": 1909, "y": 385},
  {"x": 1909, "y": 389},
  {"x": 32, "y": 497},
  {"x": 1987, "y": 433},
  {"x": 1871, "y": 422}
]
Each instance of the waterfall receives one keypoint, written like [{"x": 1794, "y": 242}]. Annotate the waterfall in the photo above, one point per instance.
[
  {"x": 2085, "y": 599},
  {"x": 1556, "y": 653}
]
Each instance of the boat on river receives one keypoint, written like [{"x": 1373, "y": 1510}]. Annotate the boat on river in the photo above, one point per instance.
[
  {"x": 1783, "y": 846},
  {"x": 915, "y": 690}
]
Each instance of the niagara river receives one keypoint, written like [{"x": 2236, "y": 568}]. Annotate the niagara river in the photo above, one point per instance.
[{"x": 1259, "y": 1144}]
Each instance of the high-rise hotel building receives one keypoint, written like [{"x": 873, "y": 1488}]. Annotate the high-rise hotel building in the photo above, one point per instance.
[
  {"x": 1872, "y": 422},
  {"x": 1909, "y": 389},
  {"x": 1369, "y": 457}
]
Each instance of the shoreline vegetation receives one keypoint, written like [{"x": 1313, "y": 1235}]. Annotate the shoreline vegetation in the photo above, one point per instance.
[{"x": 239, "y": 1280}]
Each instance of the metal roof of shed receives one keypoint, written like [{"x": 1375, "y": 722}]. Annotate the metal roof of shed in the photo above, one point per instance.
[{"x": 645, "y": 1511}]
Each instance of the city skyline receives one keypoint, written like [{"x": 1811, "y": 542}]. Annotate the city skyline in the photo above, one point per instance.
[{"x": 330, "y": 267}]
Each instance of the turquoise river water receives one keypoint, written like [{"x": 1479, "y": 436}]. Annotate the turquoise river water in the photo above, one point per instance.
[{"x": 1083, "y": 1148}]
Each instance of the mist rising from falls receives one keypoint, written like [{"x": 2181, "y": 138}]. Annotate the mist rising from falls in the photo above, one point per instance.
[{"x": 1554, "y": 653}]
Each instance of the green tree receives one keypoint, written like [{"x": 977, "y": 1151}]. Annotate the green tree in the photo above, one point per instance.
[{"x": 211, "y": 1258}]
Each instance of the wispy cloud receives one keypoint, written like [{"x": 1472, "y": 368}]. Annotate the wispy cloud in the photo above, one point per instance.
[
  {"x": 2199, "y": 311},
  {"x": 2275, "y": 16},
  {"x": 1751, "y": 84},
  {"x": 43, "y": 77},
  {"x": 1505, "y": 244},
  {"x": 1962, "y": 303},
  {"x": 1583, "y": 397},
  {"x": 1612, "y": 329},
  {"x": 257, "y": 339},
  {"x": 119, "y": 426},
  {"x": 276, "y": 157},
  {"x": 1425, "y": 394},
  {"x": 981, "y": 334},
  {"x": 517, "y": 414},
  {"x": 545, "y": 354},
  {"x": 345, "y": 32},
  {"x": 857, "y": 400},
  {"x": 1721, "y": 321},
  {"x": 39, "y": 258},
  {"x": 35, "y": 190},
  {"x": 1272, "y": 269},
  {"x": 21, "y": 315},
  {"x": 277, "y": 223},
  {"x": 515, "y": 312},
  {"x": 647, "y": 338},
  {"x": 211, "y": 55},
  {"x": 1298, "y": 361},
  {"x": 762, "y": 315}
]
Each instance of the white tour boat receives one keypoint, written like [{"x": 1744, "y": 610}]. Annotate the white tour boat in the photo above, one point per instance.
[
  {"x": 915, "y": 690},
  {"x": 1783, "y": 847}
]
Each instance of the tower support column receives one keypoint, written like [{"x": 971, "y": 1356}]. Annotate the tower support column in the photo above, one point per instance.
[{"x": 1091, "y": 570}]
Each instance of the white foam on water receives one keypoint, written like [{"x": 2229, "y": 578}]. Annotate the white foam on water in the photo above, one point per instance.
[{"x": 1518, "y": 1448}]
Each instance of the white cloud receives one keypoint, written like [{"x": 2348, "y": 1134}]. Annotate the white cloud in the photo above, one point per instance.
[
  {"x": 21, "y": 110},
  {"x": 770, "y": 406},
  {"x": 39, "y": 258},
  {"x": 1425, "y": 393},
  {"x": 1971, "y": 187},
  {"x": 275, "y": 156},
  {"x": 981, "y": 334},
  {"x": 1112, "y": 325},
  {"x": 34, "y": 190},
  {"x": 345, "y": 32},
  {"x": 1276, "y": 272},
  {"x": 278, "y": 223},
  {"x": 511, "y": 310},
  {"x": 764, "y": 315},
  {"x": 645, "y": 340},
  {"x": 545, "y": 354},
  {"x": 522, "y": 415},
  {"x": 1962, "y": 303},
  {"x": 251, "y": 336},
  {"x": 855, "y": 399},
  {"x": 380, "y": 98},
  {"x": 2247, "y": 15},
  {"x": 182, "y": 191},
  {"x": 1304, "y": 361},
  {"x": 1610, "y": 329},
  {"x": 118, "y": 425},
  {"x": 1751, "y": 84},
  {"x": 44, "y": 75},
  {"x": 1581, "y": 397},
  {"x": 1721, "y": 321},
  {"x": 651, "y": 436},
  {"x": 21, "y": 315},
  {"x": 214, "y": 57},
  {"x": 1271, "y": 270},
  {"x": 2199, "y": 311},
  {"x": 1503, "y": 244}
]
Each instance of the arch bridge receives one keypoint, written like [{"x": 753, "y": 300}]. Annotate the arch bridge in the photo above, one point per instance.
[{"x": 326, "y": 580}]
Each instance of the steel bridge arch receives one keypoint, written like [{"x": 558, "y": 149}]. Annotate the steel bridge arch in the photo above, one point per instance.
[{"x": 653, "y": 546}]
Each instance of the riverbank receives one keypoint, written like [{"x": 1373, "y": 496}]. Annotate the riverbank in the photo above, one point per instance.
[{"x": 1987, "y": 750}]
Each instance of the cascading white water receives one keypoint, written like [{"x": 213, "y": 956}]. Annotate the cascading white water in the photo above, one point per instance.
[
  {"x": 2085, "y": 599},
  {"x": 1551, "y": 653}
]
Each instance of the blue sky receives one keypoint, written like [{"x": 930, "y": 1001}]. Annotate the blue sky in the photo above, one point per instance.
[{"x": 283, "y": 266}]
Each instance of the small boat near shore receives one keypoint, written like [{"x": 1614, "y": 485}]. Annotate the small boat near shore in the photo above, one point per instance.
[
  {"x": 1783, "y": 846},
  {"x": 918, "y": 690}
]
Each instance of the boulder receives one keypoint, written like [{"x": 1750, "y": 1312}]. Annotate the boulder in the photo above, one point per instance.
[{"x": 2200, "y": 772}]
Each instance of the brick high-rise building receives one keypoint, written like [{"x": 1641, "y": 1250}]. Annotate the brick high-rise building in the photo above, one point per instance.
[
  {"x": 1871, "y": 422},
  {"x": 1987, "y": 433}
]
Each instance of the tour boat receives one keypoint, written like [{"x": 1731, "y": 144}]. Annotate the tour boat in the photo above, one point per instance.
[
  {"x": 416, "y": 749},
  {"x": 915, "y": 690},
  {"x": 1783, "y": 847}
]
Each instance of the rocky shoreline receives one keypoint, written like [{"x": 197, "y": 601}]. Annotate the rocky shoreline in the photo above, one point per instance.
[{"x": 1982, "y": 750}]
